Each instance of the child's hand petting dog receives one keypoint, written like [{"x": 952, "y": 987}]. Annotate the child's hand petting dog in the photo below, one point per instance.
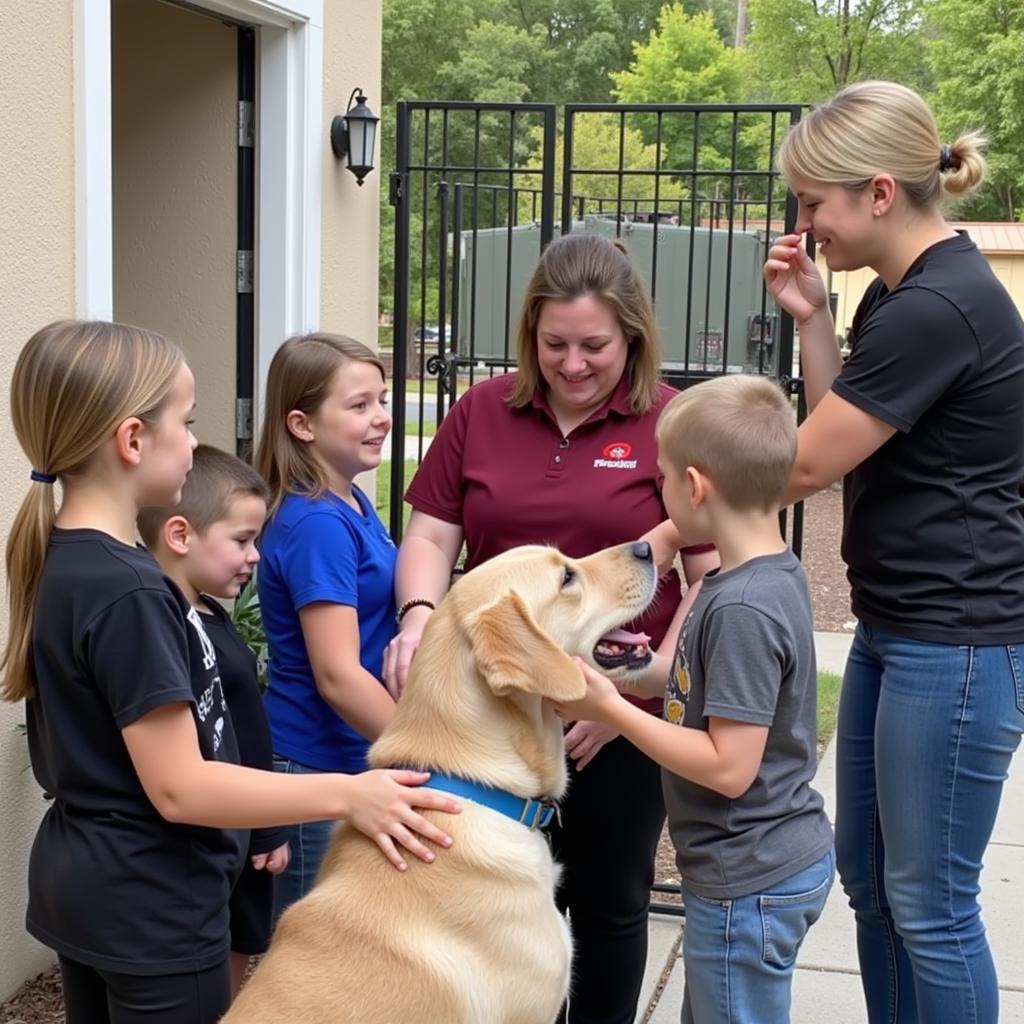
[
  {"x": 382, "y": 805},
  {"x": 594, "y": 706},
  {"x": 275, "y": 862},
  {"x": 584, "y": 741}
]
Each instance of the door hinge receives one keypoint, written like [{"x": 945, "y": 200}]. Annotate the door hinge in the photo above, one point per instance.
[
  {"x": 246, "y": 123},
  {"x": 394, "y": 188},
  {"x": 243, "y": 419},
  {"x": 243, "y": 271}
]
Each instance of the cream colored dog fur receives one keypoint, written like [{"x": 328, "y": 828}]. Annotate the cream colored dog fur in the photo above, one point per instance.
[{"x": 475, "y": 937}]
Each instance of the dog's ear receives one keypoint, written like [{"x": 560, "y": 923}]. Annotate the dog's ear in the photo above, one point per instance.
[{"x": 512, "y": 652}]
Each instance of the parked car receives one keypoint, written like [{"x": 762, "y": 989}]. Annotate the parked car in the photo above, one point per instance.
[{"x": 429, "y": 332}]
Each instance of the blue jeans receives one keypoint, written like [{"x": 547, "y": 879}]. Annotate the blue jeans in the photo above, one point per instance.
[
  {"x": 309, "y": 843},
  {"x": 739, "y": 954},
  {"x": 925, "y": 737}
]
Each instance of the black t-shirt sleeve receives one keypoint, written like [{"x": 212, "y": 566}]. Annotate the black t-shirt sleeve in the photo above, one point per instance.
[
  {"x": 266, "y": 840},
  {"x": 137, "y": 651},
  {"x": 909, "y": 348},
  {"x": 746, "y": 654}
]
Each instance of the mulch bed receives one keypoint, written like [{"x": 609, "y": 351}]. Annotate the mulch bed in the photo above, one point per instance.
[
  {"x": 39, "y": 1001},
  {"x": 36, "y": 1002}
]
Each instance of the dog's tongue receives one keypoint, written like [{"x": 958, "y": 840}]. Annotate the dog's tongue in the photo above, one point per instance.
[{"x": 621, "y": 636}]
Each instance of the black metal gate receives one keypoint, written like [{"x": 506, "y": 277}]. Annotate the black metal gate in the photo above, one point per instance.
[{"x": 690, "y": 188}]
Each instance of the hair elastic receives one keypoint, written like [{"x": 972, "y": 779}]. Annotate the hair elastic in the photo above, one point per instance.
[
  {"x": 945, "y": 159},
  {"x": 43, "y": 478}
]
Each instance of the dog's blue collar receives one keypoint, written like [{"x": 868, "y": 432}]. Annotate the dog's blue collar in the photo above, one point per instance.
[{"x": 534, "y": 814}]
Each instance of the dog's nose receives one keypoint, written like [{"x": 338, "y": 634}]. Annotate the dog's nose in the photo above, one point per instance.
[{"x": 642, "y": 550}]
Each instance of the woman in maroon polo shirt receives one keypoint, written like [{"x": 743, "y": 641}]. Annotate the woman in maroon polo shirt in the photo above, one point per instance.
[{"x": 563, "y": 453}]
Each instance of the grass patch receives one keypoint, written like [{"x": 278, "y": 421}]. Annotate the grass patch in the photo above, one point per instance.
[
  {"x": 428, "y": 386},
  {"x": 412, "y": 427},
  {"x": 828, "y": 706}
]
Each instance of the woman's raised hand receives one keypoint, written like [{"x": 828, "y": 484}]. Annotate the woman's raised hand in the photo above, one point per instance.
[{"x": 794, "y": 280}]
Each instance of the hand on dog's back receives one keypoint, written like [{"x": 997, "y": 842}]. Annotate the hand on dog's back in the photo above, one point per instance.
[{"x": 383, "y": 807}]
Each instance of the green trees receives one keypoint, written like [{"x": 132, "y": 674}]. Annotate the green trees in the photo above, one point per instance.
[
  {"x": 549, "y": 51},
  {"x": 964, "y": 55},
  {"x": 602, "y": 141},
  {"x": 686, "y": 60},
  {"x": 974, "y": 52},
  {"x": 802, "y": 51}
]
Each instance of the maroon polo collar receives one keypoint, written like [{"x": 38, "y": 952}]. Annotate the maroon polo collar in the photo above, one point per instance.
[{"x": 617, "y": 402}]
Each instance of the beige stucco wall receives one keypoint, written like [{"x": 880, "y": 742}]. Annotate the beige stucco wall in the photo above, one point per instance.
[
  {"x": 175, "y": 174},
  {"x": 348, "y": 284},
  {"x": 349, "y": 244},
  {"x": 37, "y": 284}
]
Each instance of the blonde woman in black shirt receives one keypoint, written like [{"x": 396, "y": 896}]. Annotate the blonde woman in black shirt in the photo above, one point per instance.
[{"x": 925, "y": 424}]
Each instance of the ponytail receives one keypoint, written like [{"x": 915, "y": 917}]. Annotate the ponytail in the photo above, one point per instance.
[
  {"x": 966, "y": 165},
  {"x": 73, "y": 383},
  {"x": 26, "y": 549}
]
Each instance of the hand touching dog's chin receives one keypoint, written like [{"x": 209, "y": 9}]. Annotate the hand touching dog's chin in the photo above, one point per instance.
[
  {"x": 621, "y": 655},
  {"x": 626, "y": 678}
]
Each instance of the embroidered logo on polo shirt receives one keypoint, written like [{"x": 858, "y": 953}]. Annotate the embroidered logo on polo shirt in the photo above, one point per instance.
[{"x": 616, "y": 456}]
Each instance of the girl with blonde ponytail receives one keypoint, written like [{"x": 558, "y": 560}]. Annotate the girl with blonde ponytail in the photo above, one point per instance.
[
  {"x": 60, "y": 380},
  {"x": 128, "y": 730},
  {"x": 924, "y": 423}
]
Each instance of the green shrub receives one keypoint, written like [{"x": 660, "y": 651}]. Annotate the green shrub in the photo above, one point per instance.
[{"x": 249, "y": 622}]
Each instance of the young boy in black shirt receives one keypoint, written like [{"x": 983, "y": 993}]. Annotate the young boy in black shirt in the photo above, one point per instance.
[{"x": 207, "y": 545}]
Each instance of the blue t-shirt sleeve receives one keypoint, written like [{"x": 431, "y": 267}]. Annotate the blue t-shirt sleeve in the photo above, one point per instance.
[
  {"x": 137, "y": 651},
  {"x": 320, "y": 561},
  {"x": 746, "y": 655}
]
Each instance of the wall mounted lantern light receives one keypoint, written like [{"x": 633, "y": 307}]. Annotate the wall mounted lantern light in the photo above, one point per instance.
[{"x": 354, "y": 134}]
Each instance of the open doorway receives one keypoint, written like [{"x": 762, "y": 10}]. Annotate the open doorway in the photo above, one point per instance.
[{"x": 183, "y": 197}]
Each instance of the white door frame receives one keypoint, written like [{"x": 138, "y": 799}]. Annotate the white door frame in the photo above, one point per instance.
[{"x": 290, "y": 140}]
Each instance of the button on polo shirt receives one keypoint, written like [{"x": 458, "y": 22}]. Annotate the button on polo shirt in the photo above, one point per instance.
[{"x": 509, "y": 477}]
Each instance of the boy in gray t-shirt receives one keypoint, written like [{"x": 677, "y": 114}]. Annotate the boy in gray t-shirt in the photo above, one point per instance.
[{"x": 737, "y": 743}]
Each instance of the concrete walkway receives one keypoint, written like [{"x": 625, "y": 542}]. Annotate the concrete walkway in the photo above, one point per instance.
[{"x": 827, "y": 986}]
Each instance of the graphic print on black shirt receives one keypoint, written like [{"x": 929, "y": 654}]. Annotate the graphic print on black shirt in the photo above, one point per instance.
[
  {"x": 211, "y": 701},
  {"x": 239, "y": 677}
]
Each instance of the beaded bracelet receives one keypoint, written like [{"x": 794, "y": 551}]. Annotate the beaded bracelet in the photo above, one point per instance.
[{"x": 413, "y": 603}]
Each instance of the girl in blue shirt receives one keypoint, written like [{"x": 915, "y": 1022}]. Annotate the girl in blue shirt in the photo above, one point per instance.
[{"x": 326, "y": 582}]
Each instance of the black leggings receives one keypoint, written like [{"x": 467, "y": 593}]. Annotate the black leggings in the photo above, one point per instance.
[
  {"x": 612, "y": 820},
  {"x": 94, "y": 996}
]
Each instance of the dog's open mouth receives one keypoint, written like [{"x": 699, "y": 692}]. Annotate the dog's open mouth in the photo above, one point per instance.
[{"x": 621, "y": 649}]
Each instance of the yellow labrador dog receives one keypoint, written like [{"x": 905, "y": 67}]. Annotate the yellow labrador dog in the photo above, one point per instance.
[{"x": 475, "y": 937}]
